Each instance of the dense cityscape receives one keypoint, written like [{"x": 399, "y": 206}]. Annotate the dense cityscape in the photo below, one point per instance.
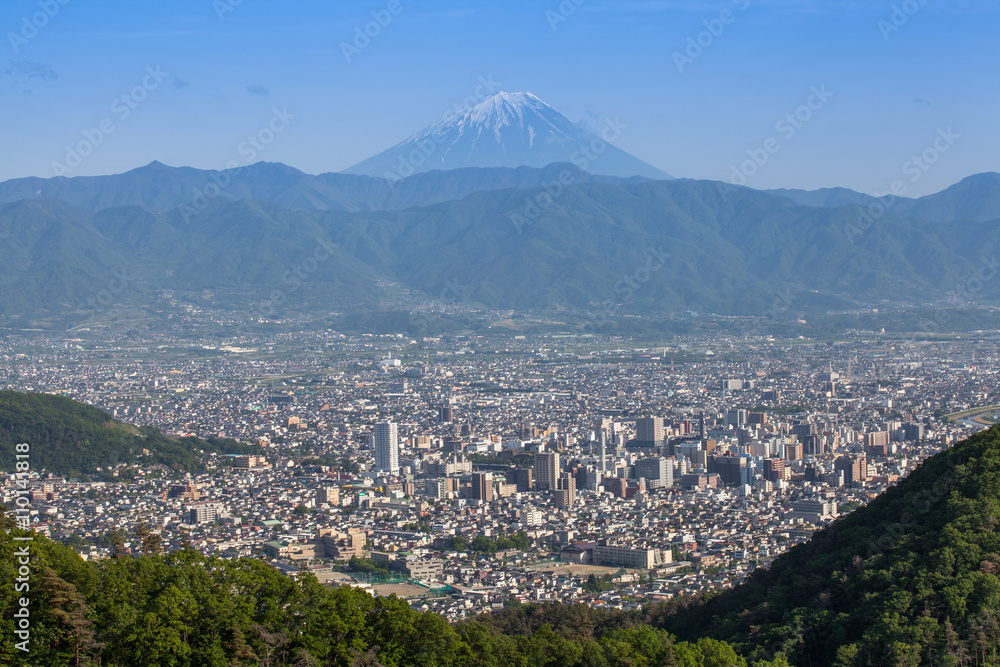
[{"x": 465, "y": 471}]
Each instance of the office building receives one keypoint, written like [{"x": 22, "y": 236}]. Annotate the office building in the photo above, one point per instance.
[
  {"x": 729, "y": 468},
  {"x": 803, "y": 429},
  {"x": 649, "y": 432},
  {"x": 813, "y": 511},
  {"x": 436, "y": 488},
  {"x": 657, "y": 471},
  {"x": 626, "y": 556},
  {"x": 328, "y": 496},
  {"x": 736, "y": 418},
  {"x": 855, "y": 470},
  {"x": 774, "y": 469},
  {"x": 525, "y": 479},
  {"x": 813, "y": 445}
]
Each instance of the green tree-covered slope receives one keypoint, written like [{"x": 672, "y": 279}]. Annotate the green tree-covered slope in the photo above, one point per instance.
[
  {"x": 69, "y": 438},
  {"x": 910, "y": 579},
  {"x": 186, "y": 610}
]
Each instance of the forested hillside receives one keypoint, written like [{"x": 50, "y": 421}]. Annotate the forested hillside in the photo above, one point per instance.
[
  {"x": 910, "y": 579},
  {"x": 186, "y": 610},
  {"x": 70, "y": 438}
]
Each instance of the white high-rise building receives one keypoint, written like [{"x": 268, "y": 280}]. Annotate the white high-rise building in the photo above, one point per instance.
[{"x": 387, "y": 447}]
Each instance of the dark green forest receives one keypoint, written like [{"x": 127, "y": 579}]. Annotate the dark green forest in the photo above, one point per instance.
[
  {"x": 71, "y": 438},
  {"x": 187, "y": 610}
]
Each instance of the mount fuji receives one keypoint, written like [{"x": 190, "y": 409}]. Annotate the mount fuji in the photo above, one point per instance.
[{"x": 509, "y": 130}]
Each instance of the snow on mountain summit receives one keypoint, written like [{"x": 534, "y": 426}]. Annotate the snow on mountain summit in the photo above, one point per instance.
[
  {"x": 507, "y": 130},
  {"x": 502, "y": 108}
]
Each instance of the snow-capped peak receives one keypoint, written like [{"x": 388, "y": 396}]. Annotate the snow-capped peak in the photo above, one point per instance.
[
  {"x": 503, "y": 130},
  {"x": 502, "y": 108}
]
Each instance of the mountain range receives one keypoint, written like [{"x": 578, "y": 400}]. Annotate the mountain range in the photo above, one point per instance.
[
  {"x": 157, "y": 187},
  {"x": 504, "y": 204},
  {"x": 282, "y": 242}
]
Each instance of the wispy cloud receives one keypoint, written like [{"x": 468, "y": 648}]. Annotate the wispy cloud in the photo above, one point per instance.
[{"x": 23, "y": 71}]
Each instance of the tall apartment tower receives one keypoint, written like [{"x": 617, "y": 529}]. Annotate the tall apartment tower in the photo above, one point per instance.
[
  {"x": 525, "y": 479},
  {"x": 387, "y": 447},
  {"x": 482, "y": 486},
  {"x": 546, "y": 470},
  {"x": 566, "y": 495},
  {"x": 603, "y": 447}
]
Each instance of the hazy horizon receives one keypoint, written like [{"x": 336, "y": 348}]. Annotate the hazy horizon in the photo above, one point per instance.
[{"x": 182, "y": 166}]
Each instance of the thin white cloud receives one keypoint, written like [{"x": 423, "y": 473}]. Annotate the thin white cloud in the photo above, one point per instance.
[{"x": 23, "y": 71}]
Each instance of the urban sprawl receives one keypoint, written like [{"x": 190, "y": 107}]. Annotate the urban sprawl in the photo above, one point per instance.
[{"x": 464, "y": 472}]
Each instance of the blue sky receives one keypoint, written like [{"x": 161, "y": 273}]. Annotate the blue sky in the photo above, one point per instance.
[{"x": 222, "y": 67}]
